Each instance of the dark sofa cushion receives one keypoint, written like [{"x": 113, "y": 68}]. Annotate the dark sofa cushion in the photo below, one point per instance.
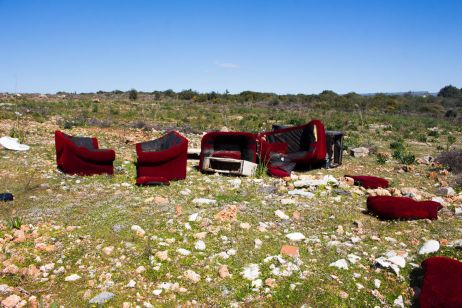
[
  {"x": 387, "y": 207},
  {"x": 442, "y": 283}
]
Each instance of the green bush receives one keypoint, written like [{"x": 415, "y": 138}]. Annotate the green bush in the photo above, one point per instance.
[{"x": 133, "y": 95}]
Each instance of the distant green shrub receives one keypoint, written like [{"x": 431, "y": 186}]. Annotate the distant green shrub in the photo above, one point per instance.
[{"x": 133, "y": 95}]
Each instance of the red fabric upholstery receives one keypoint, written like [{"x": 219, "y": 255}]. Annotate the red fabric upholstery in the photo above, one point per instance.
[
  {"x": 303, "y": 144},
  {"x": 227, "y": 154},
  {"x": 72, "y": 158},
  {"x": 387, "y": 207},
  {"x": 368, "y": 181},
  {"x": 442, "y": 283},
  {"x": 237, "y": 145},
  {"x": 161, "y": 165},
  {"x": 278, "y": 172},
  {"x": 150, "y": 180}
]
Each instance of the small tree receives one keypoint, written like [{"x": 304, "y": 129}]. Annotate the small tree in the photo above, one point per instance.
[
  {"x": 451, "y": 114},
  {"x": 133, "y": 94},
  {"x": 450, "y": 91}
]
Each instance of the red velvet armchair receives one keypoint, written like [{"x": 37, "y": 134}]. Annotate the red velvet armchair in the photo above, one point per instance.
[
  {"x": 282, "y": 149},
  {"x": 82, "y": 155},
  {"x": 162, "y": 160}
]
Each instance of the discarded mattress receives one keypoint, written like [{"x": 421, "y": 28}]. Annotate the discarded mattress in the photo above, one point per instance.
[
  {"x": 282, "y": 149},
  {"x": 368, "y": 181},
  {"x": 82, "y": 155},
  {"x": 442, "y": 283},
  {"x": 229, "y": 152},
  {"x": 13, "y": 144},
  {"x": 162, "y": 160},
  {"x": 386, "y": 207}
]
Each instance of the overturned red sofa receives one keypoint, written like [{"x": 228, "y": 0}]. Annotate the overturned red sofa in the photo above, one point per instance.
[
  {"x": 282, "y": 149},
  {"x": 442, "y": 283},
  {"x": 82, "y": 155},
  {"x": 388, "y": 208},
  {"x": 229, "y": 152},
  {"x": 162, "y": 160}
]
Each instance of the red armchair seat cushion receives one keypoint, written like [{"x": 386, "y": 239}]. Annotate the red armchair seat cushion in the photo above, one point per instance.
[
  {"x": 368, "y": 181},
  {"x": 152, "y": 180},
  {"x": 227, "y": 154},
  {"x": 387, "y": 207},
  {"x": 442, "y": 283}
]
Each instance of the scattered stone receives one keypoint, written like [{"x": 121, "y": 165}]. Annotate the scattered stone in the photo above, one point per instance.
[
  {"x": 429, "y": 247},
  {"x": 157, "y": 292},
  {"x": 343, "y": 294},
  {"x": 399, "y": 302},
  {"x": 117, "y": 228},
  {"x": 377, "y": 283},
  {"x": 251, "y": 272},
  {"x": 308, "y": 182},
  {"x": 341, "y": 264},
  {"x": 108, "y": 250},
  {"x": 192, "y": 276},
  {"x": 200, "y": 245},
  {"x": 140, "y": 269},
  {"x": 295, "y": 236},
  {"x": 223, "y": 271},
  {"x": 270, "y": 282},
  {"x": 300, "y": 192},
  {"x": 446, "y": 191},
  {"x": 102, "y": 298},
  {"x": 72, "y": 277},
  {"x": 257, "y": 243},
  {"x": 296, "y": 215},
  {"x": 131, "y": 284},
  {"x": 456, "y": 244},
  {"x": 359, "y": 152},
  {"x": 11, "y": 301},
  {"x": 245, "y": 225},
  {"x": 227, "y": 214},
  {"x": 178, "y": 209},
  {"x": 458, "y": 211},
  {"x": 183, "y": 251},
  {"x": 392, "y": 260},
  {"x": 162, "y": 255},
  {"x": 138, "y": 230},
  {"x": 193, "y": 217},
  {"x": 281, "y": 214},
  {"x": 257, "y": 283},
  {"x": 291, "y": 251},
  {"x": 204, "y": 201},
  {"x": 160, "y": 200},
  {"x": 287, "y": 201}
]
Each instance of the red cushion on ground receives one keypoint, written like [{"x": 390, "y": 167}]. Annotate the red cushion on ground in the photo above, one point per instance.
[
  {"x": 152, "y": 180},
  {"x": 386, "y": 207},
  {"x": 276, "y": 172},
  {"x": 227, "y": 154},
  {"x": 442, "y": 283},
  {"x": 368, "y": 181}
]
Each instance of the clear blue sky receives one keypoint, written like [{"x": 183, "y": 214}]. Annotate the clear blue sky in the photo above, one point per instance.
[{"x": 277, "y": 46}]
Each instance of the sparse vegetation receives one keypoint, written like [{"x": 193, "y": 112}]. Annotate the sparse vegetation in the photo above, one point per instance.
[{"x": 75, "y": 218}]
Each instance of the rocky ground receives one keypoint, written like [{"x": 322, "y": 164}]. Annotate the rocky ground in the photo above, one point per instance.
[{"x": 211, "y": 239}]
